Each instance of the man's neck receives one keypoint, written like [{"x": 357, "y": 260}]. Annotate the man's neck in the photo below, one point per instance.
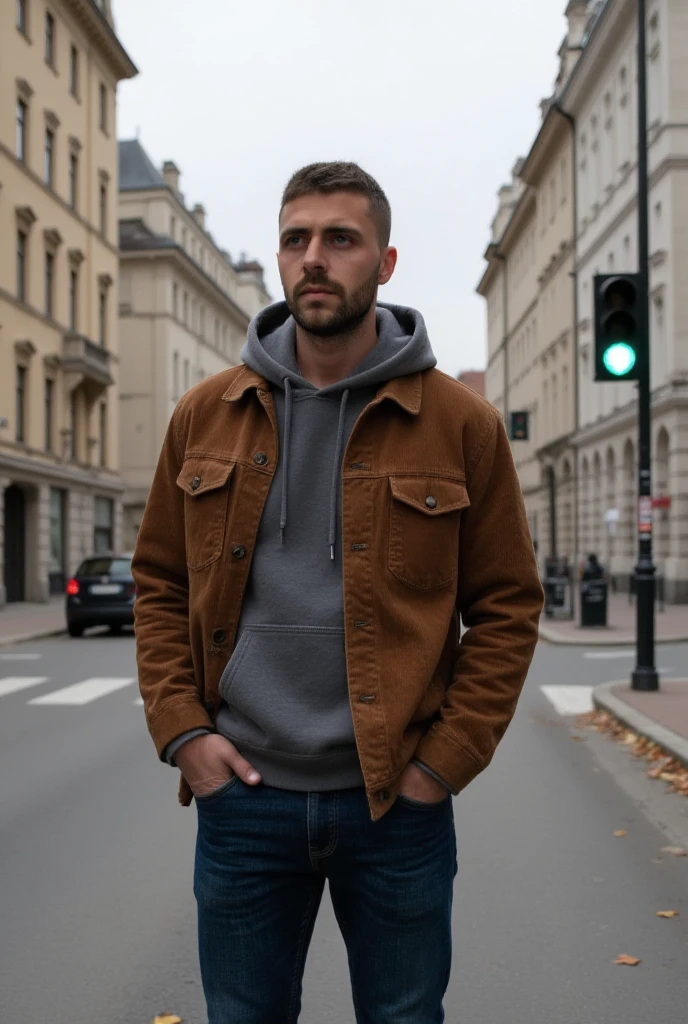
[{"x": 325, "y": 361}]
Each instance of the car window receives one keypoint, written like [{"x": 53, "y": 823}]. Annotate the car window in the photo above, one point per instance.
[{"x": 105, "y": 566}]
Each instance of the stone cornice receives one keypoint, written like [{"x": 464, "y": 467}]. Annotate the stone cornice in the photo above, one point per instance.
[{"x": 103, "y": 36}]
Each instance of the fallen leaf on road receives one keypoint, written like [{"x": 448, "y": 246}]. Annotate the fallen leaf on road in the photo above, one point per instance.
[
  {"x": 668, "y": 776},
  {"x": 667, "y": 913},
  {"x": 621, "y": 832},
  {"x": 658, "y": 860},
  {"x": 675, "y": 851},
  {"x": 576, "y": 737},
  {"x": 629, "y": 961},
  {"x": 167, "y": 1018}
]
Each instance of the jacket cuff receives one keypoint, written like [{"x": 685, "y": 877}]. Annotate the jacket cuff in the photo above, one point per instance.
[
  {"x": 172, "y": 748},
  {"x": 174, "y": 719},
  {"x": 429, "y": 771},
  {"x": 447, "y": 756}
]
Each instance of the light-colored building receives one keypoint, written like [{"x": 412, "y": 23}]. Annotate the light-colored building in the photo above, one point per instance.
[
  {"x": 529, "y": 290},
  {"x": 184, "y": 307},
  {"x": 60, "y": 492},
  {"x": 584, "y": 433},
  {"x": 602, "y": 97}
]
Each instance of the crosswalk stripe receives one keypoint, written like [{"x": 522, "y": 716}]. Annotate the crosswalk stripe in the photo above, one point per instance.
[
  {"x": 14, "y": 684},
  {"x": 84, "y": 692},
  {"x": 569, "y": 700}
]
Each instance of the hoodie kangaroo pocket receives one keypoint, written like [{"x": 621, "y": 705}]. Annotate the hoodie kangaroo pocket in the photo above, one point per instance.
[{"x": 286, "y": 690}]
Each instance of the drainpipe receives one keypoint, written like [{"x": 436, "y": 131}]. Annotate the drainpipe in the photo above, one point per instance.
[
  {"x": 576, "y": 360},
  {"x": 505, "y": 339}
]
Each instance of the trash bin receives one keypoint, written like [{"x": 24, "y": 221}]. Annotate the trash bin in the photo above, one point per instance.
[{"x": 593, "y": 594}]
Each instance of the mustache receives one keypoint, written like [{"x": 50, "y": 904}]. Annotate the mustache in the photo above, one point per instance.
[{"x": 318, "y": 283}]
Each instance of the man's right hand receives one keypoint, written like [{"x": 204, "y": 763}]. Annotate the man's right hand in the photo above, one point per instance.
[{"x": 207, "y": 762}]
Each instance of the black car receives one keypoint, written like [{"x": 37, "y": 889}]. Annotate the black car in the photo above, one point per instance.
[{"x": 101, "y": 593}]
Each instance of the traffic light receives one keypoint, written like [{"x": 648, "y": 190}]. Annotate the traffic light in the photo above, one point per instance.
[
  {"x": 518, "y": 427},
  {"x": 620, "y": 350}
]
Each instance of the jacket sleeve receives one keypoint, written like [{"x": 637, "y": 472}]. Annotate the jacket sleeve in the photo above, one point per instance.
[
  {"x": 163, "y": 648},
  {"x": 499, "y": 600}
]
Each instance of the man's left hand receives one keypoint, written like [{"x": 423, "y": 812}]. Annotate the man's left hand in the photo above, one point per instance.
[{"x": 418, "y": 785}]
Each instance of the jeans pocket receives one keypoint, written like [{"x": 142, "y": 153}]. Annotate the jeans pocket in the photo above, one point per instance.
[
  {"x": 220, "y": 791},
  {"x": 423, "y": 805}
]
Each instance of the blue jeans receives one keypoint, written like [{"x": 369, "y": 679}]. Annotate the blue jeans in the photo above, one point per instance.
[{"x": 262, "y": 858}]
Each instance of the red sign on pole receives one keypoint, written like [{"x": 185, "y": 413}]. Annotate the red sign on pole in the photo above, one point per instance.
[{"x": 662, "y": 501}]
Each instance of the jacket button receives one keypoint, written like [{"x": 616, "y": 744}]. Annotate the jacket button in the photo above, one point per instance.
[
  {"x": 195, "y": 483},
  {"x": 219, "y": 636},
  {"x": 383, "y": 795},
  {"x": 260, "y": 458},
  {"x": 238, "y": 551},
  {"x": 431, "y": 502}
]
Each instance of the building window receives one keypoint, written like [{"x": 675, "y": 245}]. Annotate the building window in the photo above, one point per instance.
[
  {"x": 73, "y": 179},
  {"x": 49, "y": 281},
  {"x": 184, "y": 238},
  {"x": 73, "y": 299},
  {"x": 102, "y": 532},
  {"x": 185, "y": 308},
  {"x": 186, "y": 375},
  {"x": 48, "y": 414},
  {"x": 73, "y": 427},
  {"x": 173, "y": 226},
  {"x": 21, "y": 265},
  {"x": 175, "y": 376},
  {"x": 102, "y": 107},
  {"x": 22, "y": 116},
  {"x": 50, "y": 39},
  {"x": 20, "y": 403},
  {"x": 102, "y": 317},
  {"x": 74, "y": 70},
  {"x": 175, "y": 298},
  {"x": 48, "y": 157},
  {"x": 21, "y": 16},
  {"x": 102, "y": 208},
  {"x": 103, "y": 433},
  {"x": 203, "y": 322},
  {"x": 57, "y": 540}
]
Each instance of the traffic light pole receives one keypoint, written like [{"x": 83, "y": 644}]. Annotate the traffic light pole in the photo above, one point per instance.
[{"x": 644, "y": 675}]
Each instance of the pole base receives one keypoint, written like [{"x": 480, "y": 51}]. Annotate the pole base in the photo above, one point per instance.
[{"x": 645, "y": 679}]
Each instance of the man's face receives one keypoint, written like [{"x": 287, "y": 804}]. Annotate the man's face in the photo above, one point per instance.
[{"x": 330, "y": 261}]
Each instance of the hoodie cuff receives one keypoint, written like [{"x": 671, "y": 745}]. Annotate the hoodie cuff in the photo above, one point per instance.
[
  {"x": 429, "y": 771},
  {"x": 172, "y": 748}
]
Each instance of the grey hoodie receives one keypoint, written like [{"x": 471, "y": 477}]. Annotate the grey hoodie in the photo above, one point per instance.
[{"x": 285, "y": 693}]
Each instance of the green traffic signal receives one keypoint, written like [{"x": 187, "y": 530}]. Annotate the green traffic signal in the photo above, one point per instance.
[{"x": 619, "y": 359}]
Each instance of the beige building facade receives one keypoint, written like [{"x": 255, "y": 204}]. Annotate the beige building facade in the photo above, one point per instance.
[
  {"x": 60, "y": 491},
  {"x": 184, "y": 307},
  {"x": 578, "y": 186}
]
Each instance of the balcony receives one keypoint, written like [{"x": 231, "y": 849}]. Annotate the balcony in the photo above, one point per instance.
[{"x": 86, "y": 363}]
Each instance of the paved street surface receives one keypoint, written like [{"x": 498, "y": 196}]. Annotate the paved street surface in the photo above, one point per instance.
[{"x": 96, "y": 859}]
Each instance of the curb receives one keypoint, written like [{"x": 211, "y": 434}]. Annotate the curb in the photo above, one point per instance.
[
  {"x": 23, "y": 638},
  {"x": 551, "y": 636},
  {"x": 604, "y": 698}
]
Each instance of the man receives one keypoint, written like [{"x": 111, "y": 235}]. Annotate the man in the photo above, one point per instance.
[{"x": 320, "y": 520}]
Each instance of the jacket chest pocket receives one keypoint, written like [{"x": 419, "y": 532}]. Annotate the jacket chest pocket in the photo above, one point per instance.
[
  {"x": 206, "y": 485},
  {"x": 424, "y": 524}
]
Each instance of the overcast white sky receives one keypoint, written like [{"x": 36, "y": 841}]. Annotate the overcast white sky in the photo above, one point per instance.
[{"x": 435, "y": 98}]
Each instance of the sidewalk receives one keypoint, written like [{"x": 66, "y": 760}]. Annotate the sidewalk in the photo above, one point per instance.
[
  {"x": 662, "y": 716},
  {"x": 671, "y": 625},
  {"x": 19, "y": 622}
]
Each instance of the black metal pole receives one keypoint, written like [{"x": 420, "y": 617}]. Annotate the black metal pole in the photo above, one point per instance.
[{"x": 644, "y": 676}]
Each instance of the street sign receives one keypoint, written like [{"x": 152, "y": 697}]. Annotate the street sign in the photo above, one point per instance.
[
  {"x": 519, "y": 426},
  {"x": 644, "y": 514},
  {"x": 662, "y": 501}
]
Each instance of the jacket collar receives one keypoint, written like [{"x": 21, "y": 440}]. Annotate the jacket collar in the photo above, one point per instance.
[{"x": 405, "y": 391}]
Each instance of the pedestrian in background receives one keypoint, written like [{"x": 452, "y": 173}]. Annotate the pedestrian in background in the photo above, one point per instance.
[{"x": 321, "y": 518}]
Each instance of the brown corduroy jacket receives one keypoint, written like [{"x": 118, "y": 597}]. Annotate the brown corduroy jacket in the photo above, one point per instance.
[{"x": 433, "y": 531}]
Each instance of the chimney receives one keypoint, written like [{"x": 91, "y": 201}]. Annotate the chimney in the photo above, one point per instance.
[
  {"x": 170, "y": 175},
  {"x": 198, "y": 214}
]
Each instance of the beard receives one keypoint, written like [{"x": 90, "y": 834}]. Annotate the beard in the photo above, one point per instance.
[{"x": 349, "y": 314}]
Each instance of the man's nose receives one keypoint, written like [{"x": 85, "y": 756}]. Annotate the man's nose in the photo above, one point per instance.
[{"x": 314, "y": 258}]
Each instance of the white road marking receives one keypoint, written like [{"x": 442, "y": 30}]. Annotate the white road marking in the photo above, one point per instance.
[
  {"x": 603, "y": 655},
  {"x": 84, "y": 692},
  {"x": 14, "y": 684},
  {"x": 19, "y": 657},
  {"x": 569, "y": 700}
]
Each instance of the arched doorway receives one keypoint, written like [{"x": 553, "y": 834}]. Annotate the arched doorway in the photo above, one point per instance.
[{"x": 15, "y": 544}]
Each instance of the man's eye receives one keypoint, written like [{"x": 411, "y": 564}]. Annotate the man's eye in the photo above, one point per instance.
[
  {"x": 341, "y": 239},
  {"x": 292, "y": 240}
]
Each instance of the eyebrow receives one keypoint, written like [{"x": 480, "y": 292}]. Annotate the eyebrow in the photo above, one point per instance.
[{"x": 330, "y": 229}]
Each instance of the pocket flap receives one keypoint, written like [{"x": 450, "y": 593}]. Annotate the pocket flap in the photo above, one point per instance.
[
  {"x": 201, "y": 475},
  {"x": 431, "y": 495}
]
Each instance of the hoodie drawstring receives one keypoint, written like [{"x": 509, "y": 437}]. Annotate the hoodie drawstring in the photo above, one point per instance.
[
  {"x": 334, "y": 492},
  {"x": 285, "y": 455}
]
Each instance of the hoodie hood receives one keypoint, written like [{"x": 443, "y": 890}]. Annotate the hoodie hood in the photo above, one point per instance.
[{"x": 403, "y": 347}]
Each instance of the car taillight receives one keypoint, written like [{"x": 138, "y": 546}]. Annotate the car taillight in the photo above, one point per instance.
[{"x": 73, "y": 588}]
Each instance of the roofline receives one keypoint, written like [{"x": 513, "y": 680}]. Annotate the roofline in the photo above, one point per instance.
[
  {"x": 89, "y": 10},
  {"x": 612, "y": 6},
  {"x": 164, "y": 187}
]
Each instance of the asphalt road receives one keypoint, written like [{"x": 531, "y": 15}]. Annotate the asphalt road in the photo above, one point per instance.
[{"x": 97, "y": 917}]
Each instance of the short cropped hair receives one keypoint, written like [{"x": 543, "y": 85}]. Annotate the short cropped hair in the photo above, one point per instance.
[{"x": 340, "y": 176}]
